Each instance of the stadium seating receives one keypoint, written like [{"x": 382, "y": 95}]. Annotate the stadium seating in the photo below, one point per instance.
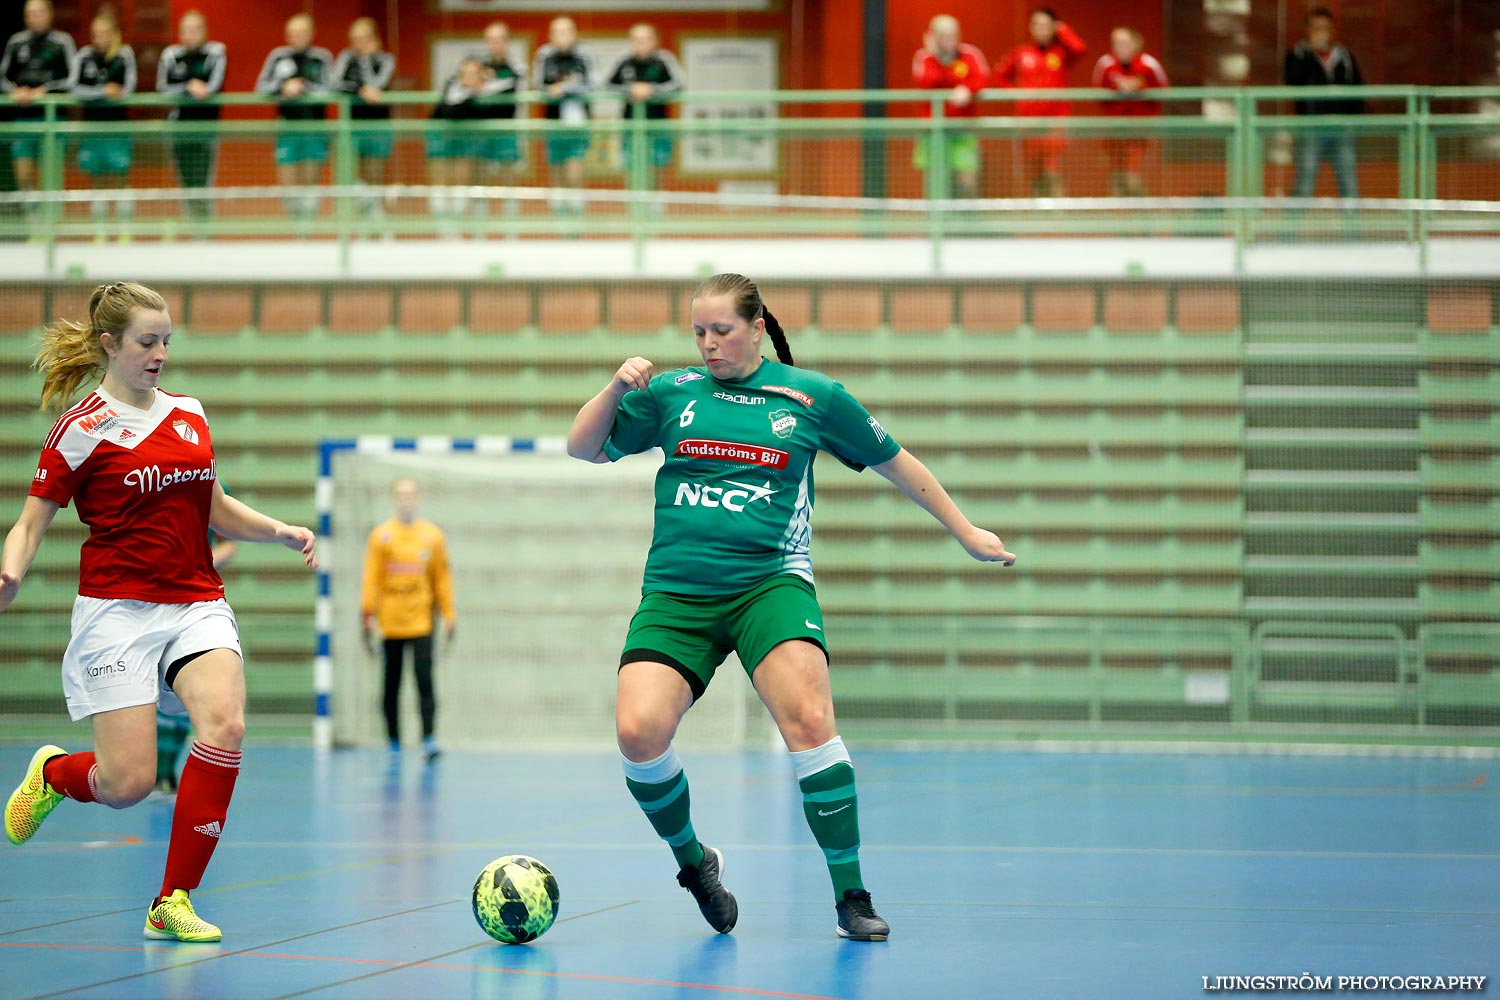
[{"x": 1159, "y": 453}]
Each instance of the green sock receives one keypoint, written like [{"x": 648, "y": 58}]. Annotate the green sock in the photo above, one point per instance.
[
  {"x": 665, "y": 804},
  {"x": 832, "y": 811}
]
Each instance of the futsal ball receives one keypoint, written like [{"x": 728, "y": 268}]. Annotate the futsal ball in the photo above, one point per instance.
[{"x": 515, "y": 899}]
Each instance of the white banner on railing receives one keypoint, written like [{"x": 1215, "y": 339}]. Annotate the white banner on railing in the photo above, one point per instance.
[{"x": 730, "y": 64}]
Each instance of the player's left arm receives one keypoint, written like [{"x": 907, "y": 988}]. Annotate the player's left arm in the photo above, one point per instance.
[
  {"x": 442, "y": 585},
  {"x": 1071, "y": 42},
  {"x": 675, "y": 76},
  {"x": 914, "y": 479},
  {"x": 1156, "y": 73},
  {"x": 235, "y": 519}
]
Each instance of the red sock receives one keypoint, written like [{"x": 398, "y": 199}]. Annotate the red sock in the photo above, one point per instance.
[
  {"x": 73, "y": 775},
  {"x": 202, "y": 804}
]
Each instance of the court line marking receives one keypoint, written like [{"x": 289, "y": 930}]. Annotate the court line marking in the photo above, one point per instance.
[
  {"x": 373, "y": 862},
  {"x": 1214, "y": 852},
  {"x": 396, "y": 966},
  {"x": 215, "y": 956},
  {"x": 59, "y": 923},
  {"x": 426, "y": 964}
]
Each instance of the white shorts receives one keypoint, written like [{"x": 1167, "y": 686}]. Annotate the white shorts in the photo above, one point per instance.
[{"x": 120, "y": 651}]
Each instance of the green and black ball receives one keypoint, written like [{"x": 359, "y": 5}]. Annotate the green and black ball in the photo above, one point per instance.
[{"x": 515, "y": 899}]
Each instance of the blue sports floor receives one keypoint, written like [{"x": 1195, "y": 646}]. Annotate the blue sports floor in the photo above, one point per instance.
[{"x": 1008, "y": 874}]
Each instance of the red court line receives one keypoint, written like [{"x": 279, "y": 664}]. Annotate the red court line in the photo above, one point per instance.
[{"x": 192, "y": 951}]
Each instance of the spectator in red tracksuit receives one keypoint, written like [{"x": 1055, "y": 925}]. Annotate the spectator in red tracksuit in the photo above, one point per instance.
[
  {"x": 1128, "y": 70},
  {"x": 945, "y": 63},
  {"x": 1042, "y": 63}
]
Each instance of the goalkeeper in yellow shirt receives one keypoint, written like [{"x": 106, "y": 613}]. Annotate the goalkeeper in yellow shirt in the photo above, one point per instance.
[{"x": 406, "y": 583}]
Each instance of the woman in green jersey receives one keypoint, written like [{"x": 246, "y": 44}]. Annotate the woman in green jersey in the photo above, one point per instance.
[{"x": 730, "y": 570}]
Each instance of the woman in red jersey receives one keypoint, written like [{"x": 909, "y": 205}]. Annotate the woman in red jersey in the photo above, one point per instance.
[
  {"x": 150, "y": 624},
  {"x": 1127, "y": 69},
  {"x": 1042, "y": 64}
]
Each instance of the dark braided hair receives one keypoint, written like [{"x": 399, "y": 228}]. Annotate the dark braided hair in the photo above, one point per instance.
[{"x": 749, "y": 307}]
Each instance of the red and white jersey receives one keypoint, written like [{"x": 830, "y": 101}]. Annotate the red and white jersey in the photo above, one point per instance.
[
  {"x": 1109, "y": 71},
  {"x": 143, "y": 481},
  {"x": 968, "y": 68}
]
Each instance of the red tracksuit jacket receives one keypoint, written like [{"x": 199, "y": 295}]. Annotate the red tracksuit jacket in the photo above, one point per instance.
[
  {"x": 970, "y": 69},
  {"x": 1031, "y": 66}
]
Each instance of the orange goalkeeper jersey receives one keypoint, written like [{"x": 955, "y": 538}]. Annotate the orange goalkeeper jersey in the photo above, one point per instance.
[{"x": 406, "y": 570}]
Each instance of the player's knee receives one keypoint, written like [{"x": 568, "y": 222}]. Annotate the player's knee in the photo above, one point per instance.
[
  {"x": 223, "y": 728},
  {"x": 808, "y": 725},
  {"x": 123, "y": 786},
  {"x": 642, "y": 734}
]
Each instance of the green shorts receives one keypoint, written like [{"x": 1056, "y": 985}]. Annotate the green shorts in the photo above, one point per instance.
[
  {"x": 499, "y": 148},
  {"x": 693, "y": 633},
  {"x": 450, "y": 145},
  {"x": 301, "y": 147},
  {"x": 98, "y": 156},
  {"x": 659, "y": 149},
  {"x": 962, "y": 150},
  {"x": 374, "y": 145},
  {"x": 567, "y": 144}
]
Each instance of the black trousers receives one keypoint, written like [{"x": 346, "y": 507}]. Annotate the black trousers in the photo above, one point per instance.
[{"x": 421, "y": 659}]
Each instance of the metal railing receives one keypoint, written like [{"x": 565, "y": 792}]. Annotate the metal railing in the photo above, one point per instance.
[{"x": 1427, "y": 159}]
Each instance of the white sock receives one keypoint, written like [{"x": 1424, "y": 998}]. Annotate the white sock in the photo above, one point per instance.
[
  {"x": 654, "y": 771},
  {"x": 809, "y": 762}
]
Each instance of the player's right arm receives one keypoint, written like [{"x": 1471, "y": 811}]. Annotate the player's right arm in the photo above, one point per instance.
[
  {"x": 372, "y": 584},
  {"x": 21, "y": 545},
  {"x": 597, "y": 417},
  {"x": 267, "y": 83},
  {"x": 7, "y": 61}
]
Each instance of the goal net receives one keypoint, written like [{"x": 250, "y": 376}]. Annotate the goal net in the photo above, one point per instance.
[{"x": 546, "y": 555}]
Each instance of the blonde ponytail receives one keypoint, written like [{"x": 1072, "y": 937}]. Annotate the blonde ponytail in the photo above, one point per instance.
[{"x": 71, "y": 353}]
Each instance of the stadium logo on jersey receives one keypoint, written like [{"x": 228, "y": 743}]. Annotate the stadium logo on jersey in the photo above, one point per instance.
[
  {"x": 741, "y": 398},
  {"x": 185, "y": 431},
  {"x": 696, "y": 495},
  {"x": 733, "y": 451},
  {"x": 879, "y": 430},
  {"x": 100, "y": 422},
  {"x": 152, "y": 480},
  {"x": 790, "y": 393},
  {"x": 783, "y": 423},
  {"x": 687, "y": 377}
]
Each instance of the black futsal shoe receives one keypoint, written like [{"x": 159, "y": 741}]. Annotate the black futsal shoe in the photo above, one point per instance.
[
  {"x": 714, "y": 901},
  {"x": 858, "y": 920}
]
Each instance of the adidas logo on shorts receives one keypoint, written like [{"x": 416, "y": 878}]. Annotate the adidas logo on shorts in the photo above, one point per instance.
[{"x": 210, "y": 829}]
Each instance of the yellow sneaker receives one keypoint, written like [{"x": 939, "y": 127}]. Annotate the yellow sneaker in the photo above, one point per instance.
[
  {"x": 171, "y": 918},
  {"x": 33, "y": 798}
]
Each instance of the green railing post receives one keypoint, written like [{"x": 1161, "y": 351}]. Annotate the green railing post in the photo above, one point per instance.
[
  {"x": 1426, "y": 170},
  {"x": 937, "y": 183},
  {"x": 1240, "y": 684},
  {"x": 50, "y": 178},
  {"x": 638, "y": 172},
  {"x": 1243, "y": 174},
  {"x": 345, "y": 176},
  {"x": 1407, "y": 181}
]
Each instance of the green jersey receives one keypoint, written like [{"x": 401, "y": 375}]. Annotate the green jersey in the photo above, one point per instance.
[{"x": 734, "y": 498}]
